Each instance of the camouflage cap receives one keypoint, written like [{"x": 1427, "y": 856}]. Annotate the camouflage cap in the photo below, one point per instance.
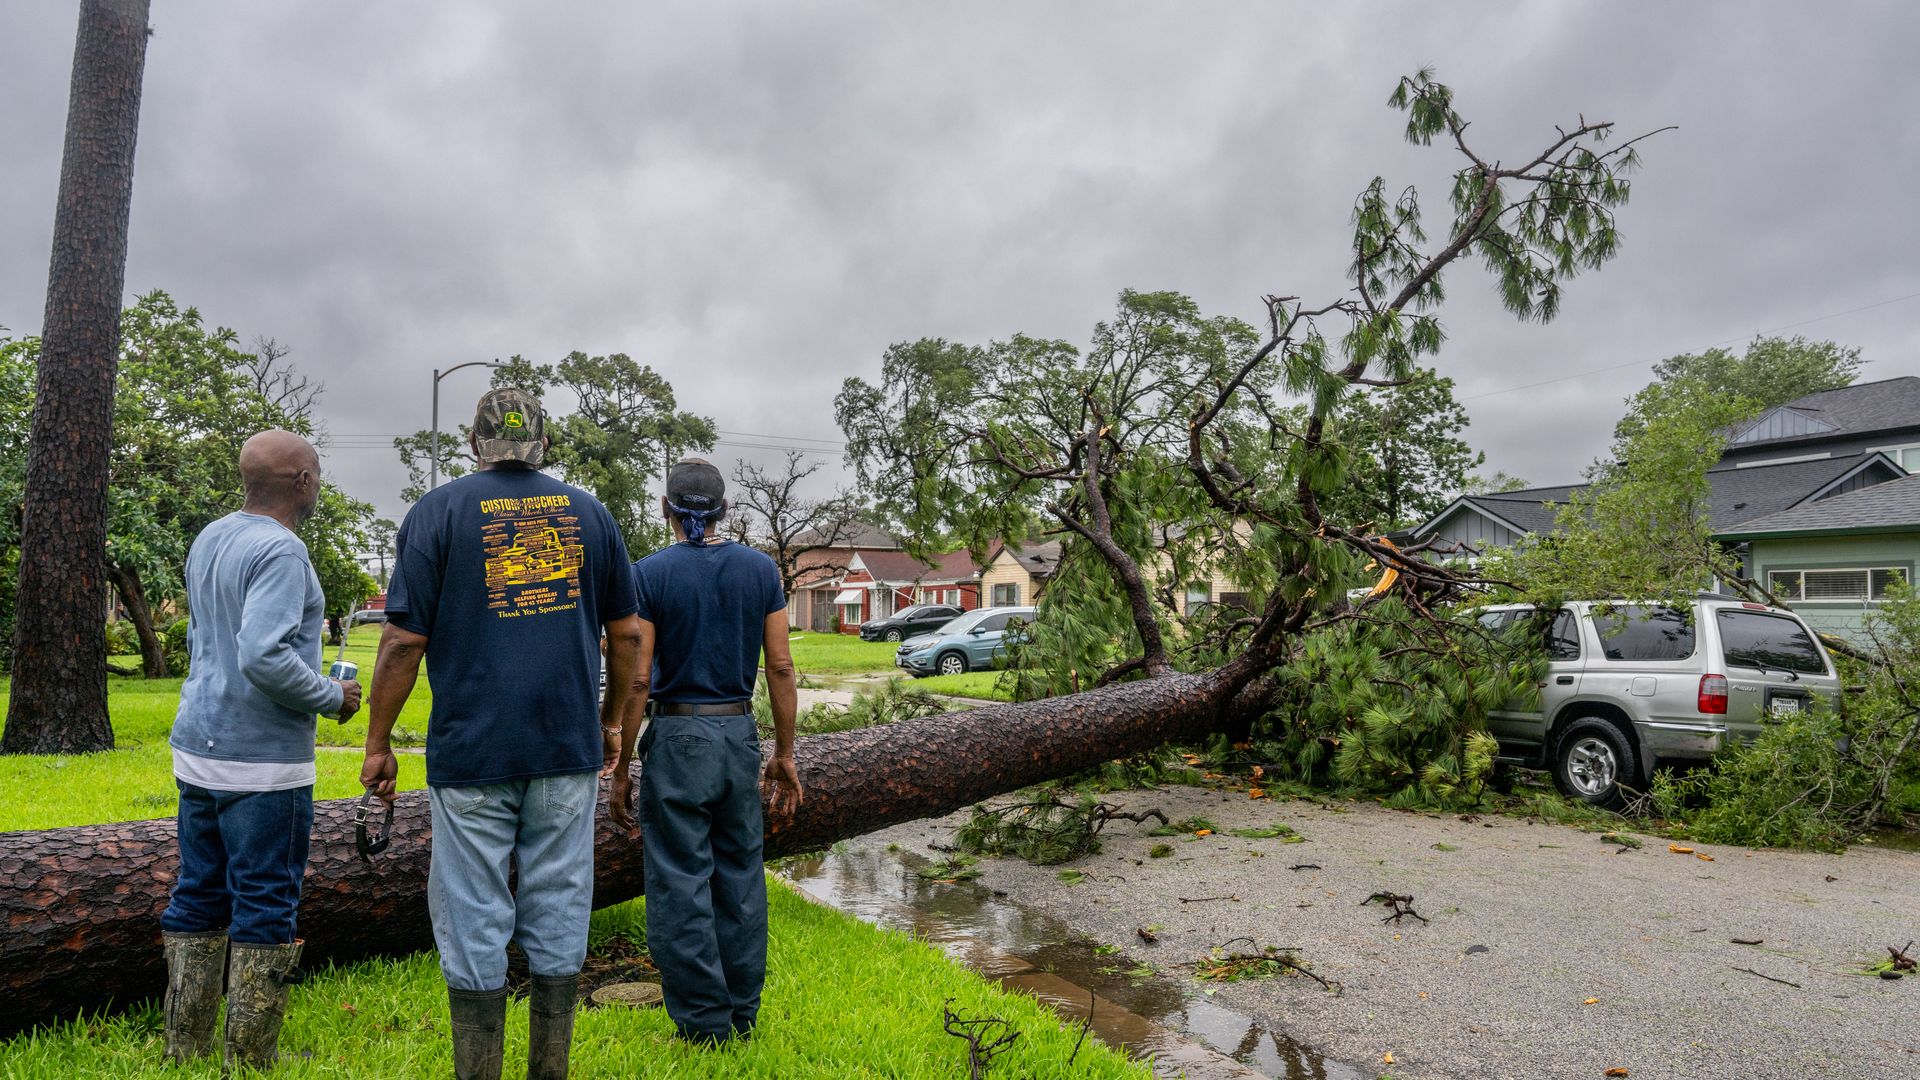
[{"x": 509, "y": 426}]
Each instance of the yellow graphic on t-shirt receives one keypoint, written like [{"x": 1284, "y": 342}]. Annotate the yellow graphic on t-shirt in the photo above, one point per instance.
[{"x": 533, "y": 555}]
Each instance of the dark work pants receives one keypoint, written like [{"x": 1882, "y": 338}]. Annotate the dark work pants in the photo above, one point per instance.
[
  {"x": 242, "y": 857},
  {"x": 706, "y": 886}
]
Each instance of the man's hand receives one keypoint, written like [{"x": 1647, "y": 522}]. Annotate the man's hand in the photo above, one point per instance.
[
  {"x": 785, "y": 781},
  {"x": 380, "y": 771},
  {"x": 620, "y": 801},
  {"x": 349, "y": 699}
]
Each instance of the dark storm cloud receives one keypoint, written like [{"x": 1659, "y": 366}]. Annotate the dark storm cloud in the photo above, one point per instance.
[{"x": 757, "y": 200}]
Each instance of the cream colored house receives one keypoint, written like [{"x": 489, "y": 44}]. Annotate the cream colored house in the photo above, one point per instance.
[{"x": 1016, "y": 575}]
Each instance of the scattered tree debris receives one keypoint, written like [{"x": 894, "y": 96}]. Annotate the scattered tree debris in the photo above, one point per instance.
[
  {"x": 1045, "y": 831},
  {"x": 1401, "y": 906},
  {"x": 1769, "y": 978},
  {"x": 1624, "y": 840},
  {"x": 1147, "y": 935},
  {"x": 1219, "y": 965},
  {"x": 1746, "y": 941},
  {"x": 1207, "y": 899},
  {"x": 1304, "y": 866},
  {"x": 985, "y": 1036}
]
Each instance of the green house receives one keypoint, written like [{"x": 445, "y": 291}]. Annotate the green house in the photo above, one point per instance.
[{"x": 1833, "y": 560}]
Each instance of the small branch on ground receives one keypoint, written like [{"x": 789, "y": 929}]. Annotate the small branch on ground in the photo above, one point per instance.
[
  {"x": 1901, "y": 960},
  {"x": 1770, "y": 978},
  {"x": 1402, "y": 906},
  {"x": 1221, "y": 966},
  {"x": 985, "y": 1037},
  {"x": 1304, "y": 866},
  {"x": 1206, "y": 899}
]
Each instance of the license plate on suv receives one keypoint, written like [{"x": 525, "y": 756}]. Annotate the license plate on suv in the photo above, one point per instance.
[{"x": 1784, "y": 706}]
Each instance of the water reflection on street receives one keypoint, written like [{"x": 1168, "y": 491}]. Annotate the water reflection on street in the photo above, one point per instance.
[{"x": 1156, "y": 1017}]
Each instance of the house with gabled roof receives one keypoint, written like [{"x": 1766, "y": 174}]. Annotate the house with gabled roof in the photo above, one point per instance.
[
  {"x": 1814, "y": 494},
  {"x": 1833, "y": 559},
  {"x": 1472, "y": 524}
]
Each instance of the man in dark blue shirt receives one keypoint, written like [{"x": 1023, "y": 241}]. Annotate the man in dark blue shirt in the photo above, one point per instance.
[
  {"x": 708, "y": 610},
  {"x": 504, "y": 581}
]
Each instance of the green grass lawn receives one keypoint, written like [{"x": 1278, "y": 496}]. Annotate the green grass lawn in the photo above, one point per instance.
[
  {"x": 841, "y": 654},
  {"x": 973, "y": 684},
  {"x": 843, "y": 999},
  {"x": 135, "y": 779}
]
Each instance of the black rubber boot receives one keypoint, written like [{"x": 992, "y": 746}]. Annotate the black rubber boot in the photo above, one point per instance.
[
  {"x": 258, "y": 982},
  {"x": 479, "y": 1032},
  {"x": 196, "y": 967},
  {"x": 551, "y": 1000}
]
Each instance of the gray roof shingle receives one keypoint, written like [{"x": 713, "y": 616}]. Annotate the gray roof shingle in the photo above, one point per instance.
[
  {"x": 1737, "y": 495},
  {"x": 1886, "y": 405},
  {"x": 1887, "y": 506}
]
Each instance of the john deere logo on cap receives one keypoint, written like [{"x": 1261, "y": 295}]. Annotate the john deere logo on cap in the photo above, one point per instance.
[{"x": 514, "y": 419}]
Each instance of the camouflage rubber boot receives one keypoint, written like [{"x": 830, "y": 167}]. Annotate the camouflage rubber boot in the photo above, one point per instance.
[
  {"x": 550, "y": 1004},
  {"x": 479, "y": 1032},
  {"x": 258, "y": 978},
  {"x": 196, "y": 963}
]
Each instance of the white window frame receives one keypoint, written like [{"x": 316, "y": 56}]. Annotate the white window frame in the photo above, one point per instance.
[
  {"x": 1800, "y": 589},
  {"x": 1895, "y": 453},
  {"x": 1194, "y": 589},
  {"x": 994, "y": 595}
]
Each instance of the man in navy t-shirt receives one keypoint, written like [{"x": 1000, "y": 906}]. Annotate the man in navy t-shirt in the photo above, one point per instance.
[
  {"x": 708, "y": 609},
  {"x": 504, "y": 581}
]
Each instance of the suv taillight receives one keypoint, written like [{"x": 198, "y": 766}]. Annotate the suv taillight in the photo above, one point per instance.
[{"x": 1713, "y": 694}]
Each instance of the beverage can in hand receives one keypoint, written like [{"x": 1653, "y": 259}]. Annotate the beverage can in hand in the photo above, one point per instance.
[{"x": 341, "y": 671}]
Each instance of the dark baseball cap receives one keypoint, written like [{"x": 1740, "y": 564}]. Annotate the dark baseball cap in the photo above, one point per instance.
[
  {"x": 694, "y": 484},
  {"x": 510, "y": 426}
]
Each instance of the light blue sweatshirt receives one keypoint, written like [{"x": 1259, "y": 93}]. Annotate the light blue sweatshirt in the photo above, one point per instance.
[{"x": 253, "y": 633}]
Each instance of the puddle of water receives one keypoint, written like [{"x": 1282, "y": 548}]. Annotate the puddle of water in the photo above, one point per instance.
[{"x": 1041, "y": 955}]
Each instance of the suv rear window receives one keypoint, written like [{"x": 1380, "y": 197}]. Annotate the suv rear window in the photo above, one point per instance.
[
  {"x": 1645, "y": 633},
  {"x": 1751, "y": 639}
]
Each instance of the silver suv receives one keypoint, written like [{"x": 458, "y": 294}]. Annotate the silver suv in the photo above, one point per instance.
[{"x": 1629, "y": 687}]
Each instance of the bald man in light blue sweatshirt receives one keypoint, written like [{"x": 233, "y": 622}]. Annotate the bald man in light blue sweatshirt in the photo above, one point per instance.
[{"x": 243, "y": 759}]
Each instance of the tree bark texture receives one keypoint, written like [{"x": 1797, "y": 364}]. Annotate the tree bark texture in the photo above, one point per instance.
[
  {"x": 59, "y": 693},
  {"x": 133, "y": 596},
  {"x": 80, "y": 907}
]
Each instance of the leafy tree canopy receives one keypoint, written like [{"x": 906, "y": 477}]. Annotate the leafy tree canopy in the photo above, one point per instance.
[
  {"x": 1166, "y": 445},
  {"x": 185, "y": 398}
]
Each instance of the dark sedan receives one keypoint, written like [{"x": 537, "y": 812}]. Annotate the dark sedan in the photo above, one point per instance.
[{"x": 905, "y": 623}]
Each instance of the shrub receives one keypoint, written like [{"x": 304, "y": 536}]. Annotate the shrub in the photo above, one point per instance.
[
  {"x": 173, "y": 641},
  {"x": 121, "y": 639}
]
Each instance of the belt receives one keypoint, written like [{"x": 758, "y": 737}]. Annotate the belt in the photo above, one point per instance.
[{"x": 686, "y": 708}]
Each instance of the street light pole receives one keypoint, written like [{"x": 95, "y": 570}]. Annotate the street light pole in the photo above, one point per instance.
[{"x": 433, "y": 450}]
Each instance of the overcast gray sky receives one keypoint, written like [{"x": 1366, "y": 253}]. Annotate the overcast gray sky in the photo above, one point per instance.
[{"x": 757, "y": 200}]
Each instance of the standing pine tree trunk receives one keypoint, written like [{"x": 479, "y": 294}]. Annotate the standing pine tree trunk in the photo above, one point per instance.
[{"x": 59, "y": 700}]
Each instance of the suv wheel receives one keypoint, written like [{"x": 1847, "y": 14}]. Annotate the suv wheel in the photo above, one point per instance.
[
  {"x": 894, "y": 634},
  {"x": 1591, "y": 760},
  {"x": 953, "y": 664}
]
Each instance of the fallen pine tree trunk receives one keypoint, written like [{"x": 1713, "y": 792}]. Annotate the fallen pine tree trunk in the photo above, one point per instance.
[{"x": 80, "y": 907}]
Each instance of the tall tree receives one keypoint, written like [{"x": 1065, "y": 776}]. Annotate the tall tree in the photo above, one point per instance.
[
  {"x": 1772, "y": 371},
  {"x": 769, "y": 512},
  {"x": 59, "y": 693}
]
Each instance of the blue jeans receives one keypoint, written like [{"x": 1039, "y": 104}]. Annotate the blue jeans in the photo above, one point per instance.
[
  {"x": 706, "y": 885},
  {"x": 545, "y": 825},
  {"x": 242, "y": 857}
]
